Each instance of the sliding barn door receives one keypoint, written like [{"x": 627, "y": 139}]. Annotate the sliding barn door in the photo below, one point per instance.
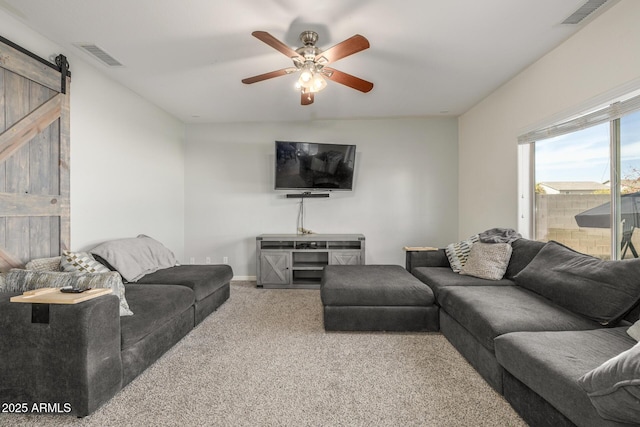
[{"x": 34, "y": 158}]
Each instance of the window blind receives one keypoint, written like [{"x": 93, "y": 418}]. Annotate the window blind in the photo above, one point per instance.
[{"x": 607, "y": 114}]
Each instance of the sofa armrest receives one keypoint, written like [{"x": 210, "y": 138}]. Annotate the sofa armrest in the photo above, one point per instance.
[
  {"x": 432, "y": 258},
  {"x": 62, "y": 358}
]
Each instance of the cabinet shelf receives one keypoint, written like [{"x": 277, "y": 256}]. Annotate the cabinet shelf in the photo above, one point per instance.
[
  {"x": 309, "y": 265},
  {"x": 297, "y": 261},
  {"x": 277, "y": 245},
  {"x": 312, "y": 245},
  {"x": 353, "y": 245}
]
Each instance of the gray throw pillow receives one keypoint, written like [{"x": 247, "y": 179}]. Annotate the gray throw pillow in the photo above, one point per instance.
[
  {"x": 614, "y": 387},
  {"x": 17, "y": 280},
  {"x": 604, "y": 291},
  {"x": 457, "y": 253},
  {"x": 487, "y": 260},
  {"x": 135, "y": 257}
]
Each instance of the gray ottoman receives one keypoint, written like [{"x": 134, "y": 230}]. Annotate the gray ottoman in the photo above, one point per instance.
[{"x": 376, "y": 298}]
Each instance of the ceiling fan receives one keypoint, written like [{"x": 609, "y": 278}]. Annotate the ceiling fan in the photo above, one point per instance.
[{"x": 311, "y": 62}]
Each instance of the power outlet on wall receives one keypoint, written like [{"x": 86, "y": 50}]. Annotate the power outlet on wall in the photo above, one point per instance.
[
  {"x": 225, "y": 260},
  {"x": 207, "y": 260}
]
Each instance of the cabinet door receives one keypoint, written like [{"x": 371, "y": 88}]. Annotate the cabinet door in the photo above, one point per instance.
[
  {"x": 274, "y": 268},
  {"x": 346, "y": 258}
]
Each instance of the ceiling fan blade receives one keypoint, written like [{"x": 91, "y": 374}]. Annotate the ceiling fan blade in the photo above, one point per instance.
[
  {"x": 347, "y": 79},
  {"x": 275, "y": 43},
  {"x": 306, "y": 98},
  {"x": 269, "y": 75},
  {"x": 345, "y": 48}
]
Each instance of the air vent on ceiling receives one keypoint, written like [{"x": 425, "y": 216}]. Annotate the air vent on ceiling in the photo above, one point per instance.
[
  {"x": 100, "y": 54},
  {"x": 585, "y": 10}
]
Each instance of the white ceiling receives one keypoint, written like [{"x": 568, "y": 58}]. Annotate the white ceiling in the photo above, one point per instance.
[{"x": 427, "y": 57}]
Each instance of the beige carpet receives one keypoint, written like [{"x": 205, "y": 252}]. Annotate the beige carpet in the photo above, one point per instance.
[{"x": 263, "y": 359}]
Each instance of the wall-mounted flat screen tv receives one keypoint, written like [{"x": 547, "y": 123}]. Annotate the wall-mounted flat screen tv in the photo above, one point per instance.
[{"x": 312, "y": 166}]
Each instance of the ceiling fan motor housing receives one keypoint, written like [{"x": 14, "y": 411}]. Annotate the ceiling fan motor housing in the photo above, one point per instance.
[
  {"x": 309, "y": 38},
  {"x": 309, "y": 51}
]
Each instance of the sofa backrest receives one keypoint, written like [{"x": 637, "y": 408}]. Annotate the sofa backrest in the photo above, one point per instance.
[
  {"x": 524, "y": 250},
  {"x": 437, "y": 258},
  {"x": 601, "y": 290}
]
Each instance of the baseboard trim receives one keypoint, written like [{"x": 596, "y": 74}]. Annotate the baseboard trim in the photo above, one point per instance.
[{"x": 243, "y": 278}]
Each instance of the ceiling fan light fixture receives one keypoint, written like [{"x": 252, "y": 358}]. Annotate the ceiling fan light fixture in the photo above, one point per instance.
[
  {"x": 319, "y": 83},
  {"x": 310, "y": 62},
  {"x": 310, "y": 79},
  {"x": 306, "y": 74}
]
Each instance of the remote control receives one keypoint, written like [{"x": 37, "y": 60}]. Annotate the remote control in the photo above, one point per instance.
[{"x": 72, "y": 290}]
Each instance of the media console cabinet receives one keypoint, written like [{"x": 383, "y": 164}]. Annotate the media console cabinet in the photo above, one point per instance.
[{"x": 297, "y": 260}]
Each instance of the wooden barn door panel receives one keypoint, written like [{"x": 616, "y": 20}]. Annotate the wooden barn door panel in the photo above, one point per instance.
[
  {"x": 43, "y": 178},
  {"x": 17, "y": 179},
  {"x": 34, "y": 159}
]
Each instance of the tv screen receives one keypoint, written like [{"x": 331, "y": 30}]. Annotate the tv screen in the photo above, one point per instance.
[{"x": 314, "y": 166}]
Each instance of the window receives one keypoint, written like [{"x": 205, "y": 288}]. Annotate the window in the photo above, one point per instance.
[
  {"x": 571, "y": 172},
  {"x": 629, "y": 204},
  {"x": 578, "y": 175}
]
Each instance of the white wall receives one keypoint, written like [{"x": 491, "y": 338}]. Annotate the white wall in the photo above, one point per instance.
[
  {"x": 127, "y": 159},
  {"x": 601, "y": 61},
  {"x": 405, "y": 189}
]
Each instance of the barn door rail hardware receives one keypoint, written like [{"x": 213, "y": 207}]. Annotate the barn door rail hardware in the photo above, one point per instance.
[{"x": 60, "y": 61}]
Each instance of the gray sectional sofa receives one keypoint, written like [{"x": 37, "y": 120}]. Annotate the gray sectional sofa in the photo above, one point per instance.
[
  {"x": 547, "y": 331},
  {"x": 74, "y": 358}
]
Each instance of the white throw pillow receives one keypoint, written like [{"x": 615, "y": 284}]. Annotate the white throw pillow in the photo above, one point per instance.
[{"x": 488, "y": 260}]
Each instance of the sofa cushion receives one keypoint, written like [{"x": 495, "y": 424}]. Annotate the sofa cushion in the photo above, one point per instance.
[
  {"x": 604, "y": 291},
  {"x": 490, "y": 311},
  {"x": 634, "y": 315},
  {"x": 457, "y": 253},
  {"x": 372, "y": 285},
  {"x": 203, "y": 279},
  {"x": 153, "y": 306},
  {"x": 487, "y": 260},
  {"x": 550, "y": 363},
  {"x": 523, "y": 251},
  {"x": 614, "y": 387},
  {"x": 438, "y": 278}
]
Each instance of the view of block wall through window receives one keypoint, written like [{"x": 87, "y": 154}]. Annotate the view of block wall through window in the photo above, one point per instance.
[{"x": 573, "y": 188}]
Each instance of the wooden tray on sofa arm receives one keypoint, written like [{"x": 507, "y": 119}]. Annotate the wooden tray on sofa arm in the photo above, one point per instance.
[{"x": 54, "y": 296}]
